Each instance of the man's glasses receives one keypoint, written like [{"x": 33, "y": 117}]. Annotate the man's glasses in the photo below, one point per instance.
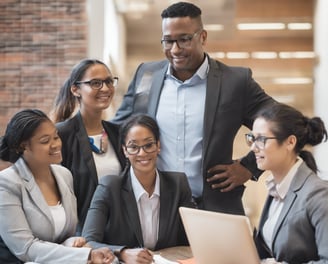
[
  {"x": 97, "y": 84},
  {"x": 135, "y": 149},
  {"x": 259, "y": 141},
  {"x": 182, "y": 42}
]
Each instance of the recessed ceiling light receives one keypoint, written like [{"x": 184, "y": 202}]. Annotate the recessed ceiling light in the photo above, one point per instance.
[
  {"x": 296, "y": 55},
  {"x": 214, "y": 27},
  {"x": 293, "y": 80},
  {"x": 261, "y": 26},
  {"x": 264, "y": 55},
  {"x": 237, "y": 55},
  {"x": 299, "y": 26}
]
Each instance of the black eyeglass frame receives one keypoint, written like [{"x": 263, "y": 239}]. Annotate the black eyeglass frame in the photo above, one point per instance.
[
  {"x": 109, "y": 82},
  {"x": 141, "y": 147},
  {"x": 254, "y": 140},
  {"x": 184, "y": 39}
]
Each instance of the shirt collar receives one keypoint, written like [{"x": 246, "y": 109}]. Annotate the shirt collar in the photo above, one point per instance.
[
  {"x": 280, "y": 190},
  {"x": 138, "y": 190},
  {"x": 201, "y": 72}
]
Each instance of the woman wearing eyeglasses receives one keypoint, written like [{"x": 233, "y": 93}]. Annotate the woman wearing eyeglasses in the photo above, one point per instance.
[
  {"x": 293, "y": 227},
  {"x": 90, "y": 144},
  {"x": 138, "y": 211}
]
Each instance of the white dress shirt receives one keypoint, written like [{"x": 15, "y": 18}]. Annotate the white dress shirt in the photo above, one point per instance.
[
  {"x": 180, "y": 116},
  {"x": 148, "y": 208}
]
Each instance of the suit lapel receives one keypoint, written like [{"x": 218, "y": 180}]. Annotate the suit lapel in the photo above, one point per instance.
[
  {"x": 155, "y": 90},
  {"x": 33, "y": 189},
  {"x": 131, "y": 209},
  {"x": 213, "y": 88},
  {"x": 166, "y": 201},
  {"x": 84, "y": 144},
  {"x": 298, "y": 181}
]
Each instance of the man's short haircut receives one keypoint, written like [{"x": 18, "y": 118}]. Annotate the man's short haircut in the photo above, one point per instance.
[{"x": 181, "y": 9}]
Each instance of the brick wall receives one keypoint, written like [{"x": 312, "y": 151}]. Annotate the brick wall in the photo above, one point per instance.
[{"x": 40, "y": 41}]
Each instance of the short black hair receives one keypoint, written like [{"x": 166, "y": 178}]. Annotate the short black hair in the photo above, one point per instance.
[{"x": 181, "y": 9}]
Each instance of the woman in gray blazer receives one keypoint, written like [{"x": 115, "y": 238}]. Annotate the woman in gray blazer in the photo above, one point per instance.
[
  {"x": 138, "y": 211},
  {"x": 37, "y": 202},
  {"x": 293, "y": 227}
]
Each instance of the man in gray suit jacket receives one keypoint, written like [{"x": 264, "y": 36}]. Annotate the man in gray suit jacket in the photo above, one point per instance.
[{"x": 199, "y": 104}]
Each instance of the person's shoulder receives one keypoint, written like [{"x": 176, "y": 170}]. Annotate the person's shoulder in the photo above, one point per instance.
[
  {"x": 110, "y": 125},
  {"x": 67, "y": 125},
  {"x": 224, "y": 67},
  {"x": 153, "y": 65},
  {"x": 111, "y": 181}
]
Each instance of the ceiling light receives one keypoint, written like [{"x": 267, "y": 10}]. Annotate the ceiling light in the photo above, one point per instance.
[
  {"x": 261, "y": 26},
  {"x": 214, "y": 27},
  {"x": 296, "y": 55},
  {"x": 299, "y": 26},
  {"x": 264, "y": 55},
  {"x": 217, "y": 55},
  {"x": 237, "y": 55},
  {"x": 292, "y": 80}
]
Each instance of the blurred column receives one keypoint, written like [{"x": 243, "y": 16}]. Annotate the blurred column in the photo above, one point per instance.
[{"x": 321, "y": 79}]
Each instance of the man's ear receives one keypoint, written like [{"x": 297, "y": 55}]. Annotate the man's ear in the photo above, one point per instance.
[{"x": 204, "y": 37}]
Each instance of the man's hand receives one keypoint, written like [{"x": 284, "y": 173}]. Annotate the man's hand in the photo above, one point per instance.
[{"x": 228, "y": 176}]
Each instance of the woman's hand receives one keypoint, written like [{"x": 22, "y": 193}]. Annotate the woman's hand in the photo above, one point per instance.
[
  {"x": 136, "y": 255},
  {"x": 79, "y": 242},
  {"x": 101, "y": 256}
]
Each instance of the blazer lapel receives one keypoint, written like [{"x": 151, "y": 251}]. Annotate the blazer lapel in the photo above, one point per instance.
[
  {"x": 213, "y": 88},
  {"x": 302, "y": 173},
  {"x": 166, "y": 200},
  {"x": 84, "y": 143},
  {"x": 33, "y": 189},
  {"x": 131, "y": 209},
  {"x": 155, "y": 90}
]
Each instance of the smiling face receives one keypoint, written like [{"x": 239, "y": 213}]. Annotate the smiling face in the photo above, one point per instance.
[
  {"x": 184, "y": 61},
  {"x": 276, "y": 157},
  {"x": 44, "y": 147},
  {"x": 92, "y": 99},
  {"x": 143, "y": 163}
]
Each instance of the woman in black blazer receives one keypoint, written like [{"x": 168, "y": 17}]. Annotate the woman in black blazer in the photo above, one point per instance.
[
  {"x": 90, "y": 144},
  {"x": 138, "y": 211}
]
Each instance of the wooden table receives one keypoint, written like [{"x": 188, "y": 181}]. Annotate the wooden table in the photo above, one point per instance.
[{"x": 175, "y": 253}]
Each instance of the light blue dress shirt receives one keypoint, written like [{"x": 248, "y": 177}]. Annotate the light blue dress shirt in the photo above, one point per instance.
[{"x": 180, "y": 116}]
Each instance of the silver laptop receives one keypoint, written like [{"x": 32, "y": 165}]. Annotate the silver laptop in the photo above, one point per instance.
[{"x": 217, "y": 238}]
